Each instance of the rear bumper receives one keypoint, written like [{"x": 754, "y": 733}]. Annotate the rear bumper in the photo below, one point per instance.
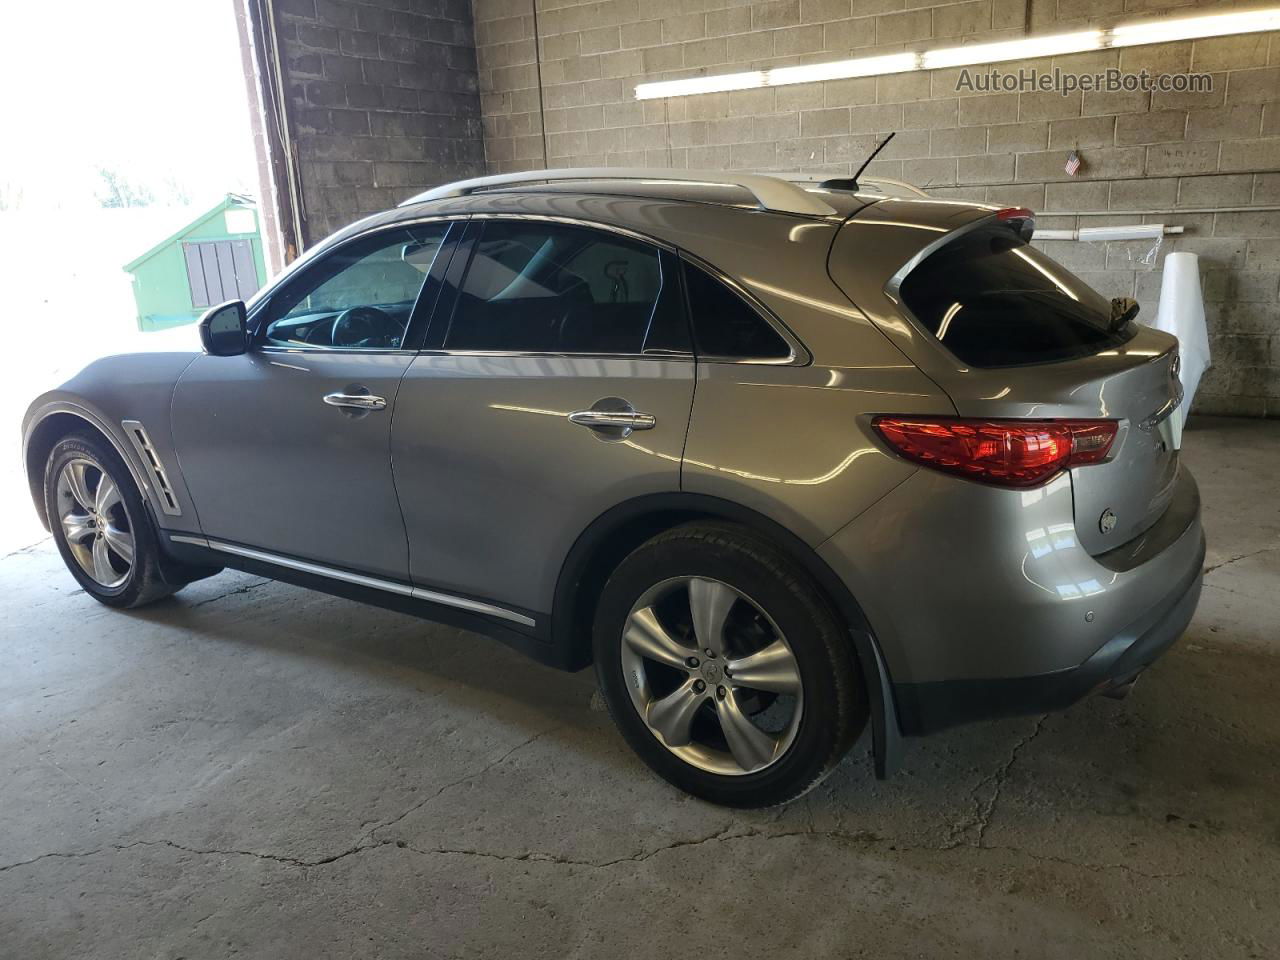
[
  {"x": 929, "y": 707},
  {"x": 985, "y": 604}
]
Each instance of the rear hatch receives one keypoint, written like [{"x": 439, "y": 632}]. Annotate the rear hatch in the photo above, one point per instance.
[{"x": 1009, "y": 333}]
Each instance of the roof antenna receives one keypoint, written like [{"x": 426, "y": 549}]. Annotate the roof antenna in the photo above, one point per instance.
[{"x": 852, "y": 182}]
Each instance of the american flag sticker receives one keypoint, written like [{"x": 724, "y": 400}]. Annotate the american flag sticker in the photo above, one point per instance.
[{"x": 1073, "y": 164}]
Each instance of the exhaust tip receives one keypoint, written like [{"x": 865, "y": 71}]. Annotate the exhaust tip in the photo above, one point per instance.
[{"x": 1120, "y": 691}]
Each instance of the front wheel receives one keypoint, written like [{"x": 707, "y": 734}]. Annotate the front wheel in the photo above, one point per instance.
[
  {"x": 725, "y": 668},
  {"x": 100, "y": 523}
]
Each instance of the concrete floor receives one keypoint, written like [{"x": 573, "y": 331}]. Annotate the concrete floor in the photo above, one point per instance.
[{"x": 253, "y": 769}]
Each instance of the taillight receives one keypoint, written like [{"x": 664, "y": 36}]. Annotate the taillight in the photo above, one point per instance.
[{"x": 1006, "y": 453}]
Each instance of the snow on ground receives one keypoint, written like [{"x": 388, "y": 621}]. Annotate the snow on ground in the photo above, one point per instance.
[{"x": 67, "y": 302}]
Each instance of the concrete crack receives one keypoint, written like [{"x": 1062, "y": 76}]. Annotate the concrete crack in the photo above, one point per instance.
[
  {"x": 1094, "y": 867},
  {"x": 984, "y": 820},
  {"x": 981, "y": 818},
  {"x": 198, "y": 851},
  {"x": 727, "y": 835},
  {"x": 366, "y": 842},
  {"x": 27, "y": 549},
  {"x": 369, "y": 834},
  {"x": 231, "y": 593},
  {"x": 534, "y": 856},
  {"x": 1243, "y": 556}
]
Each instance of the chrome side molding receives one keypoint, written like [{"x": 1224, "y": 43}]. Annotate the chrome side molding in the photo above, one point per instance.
[
  {"x": 137, "y": 434},
  {"x": 359, "y": 579}
]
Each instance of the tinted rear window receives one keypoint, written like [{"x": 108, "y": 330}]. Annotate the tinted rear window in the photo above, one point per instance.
[{"x": 996, "y": 301}]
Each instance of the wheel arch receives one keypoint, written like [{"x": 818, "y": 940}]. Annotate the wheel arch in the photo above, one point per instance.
[
  {"x": 43, "y": 433},
  {"x": 610, "y": 537},
  {"x": 60, "y": 419}
]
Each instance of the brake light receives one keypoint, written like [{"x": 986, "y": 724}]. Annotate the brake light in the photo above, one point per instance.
[
  {"x": 1005, "y": 453},
  {"x": 1022, "y": 220}
]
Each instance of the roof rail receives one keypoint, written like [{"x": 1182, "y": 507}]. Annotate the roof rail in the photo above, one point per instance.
[
  {"x": 899, "y": 189},
  {"x": 771, "y": 193},
  {"x": 906, "y": 189}
]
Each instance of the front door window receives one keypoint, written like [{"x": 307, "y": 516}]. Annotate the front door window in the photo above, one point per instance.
[{"x": 360, "y": 296}]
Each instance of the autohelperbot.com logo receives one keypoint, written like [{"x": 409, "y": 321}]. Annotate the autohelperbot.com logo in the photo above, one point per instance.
[{"x": 1112, "y": 80}]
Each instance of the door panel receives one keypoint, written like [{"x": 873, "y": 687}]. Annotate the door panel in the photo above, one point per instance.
[
  {"x": 495, "y": 481},
  {"x": 271, "y": 464},
  {"x": 288, "y": 447}
]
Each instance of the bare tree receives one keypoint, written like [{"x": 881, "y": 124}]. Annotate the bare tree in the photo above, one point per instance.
[{"x": 119, "y": 191}]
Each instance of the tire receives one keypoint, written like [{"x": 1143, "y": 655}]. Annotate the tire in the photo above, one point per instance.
[
  {"x": 79, "y": 530},
  {"x": 704, "y": 581}
]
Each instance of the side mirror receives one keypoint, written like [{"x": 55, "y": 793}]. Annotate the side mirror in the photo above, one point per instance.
[{"x": 223, "y": 330}]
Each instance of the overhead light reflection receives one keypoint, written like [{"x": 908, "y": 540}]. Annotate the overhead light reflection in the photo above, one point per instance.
[
  {"x": 946, "y": 319},
  {"x": 1048, "y": 274}
]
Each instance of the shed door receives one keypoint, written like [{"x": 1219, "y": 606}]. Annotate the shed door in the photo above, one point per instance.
[{"x": 220, "y": 270}]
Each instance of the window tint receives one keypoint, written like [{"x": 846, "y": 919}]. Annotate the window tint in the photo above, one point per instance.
[
  {"x": 996, "y": 301},
  {"x": 547, "y": 288},
  {"x": 725, "y": 325},
  {"x": 358, "y": 296}
]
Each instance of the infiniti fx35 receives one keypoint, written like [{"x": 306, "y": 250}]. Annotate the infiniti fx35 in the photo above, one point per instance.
[{"x": 783, "y": 462}]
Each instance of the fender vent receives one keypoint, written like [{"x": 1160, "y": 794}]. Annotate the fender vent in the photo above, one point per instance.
[{"x": 151, "y": 460}]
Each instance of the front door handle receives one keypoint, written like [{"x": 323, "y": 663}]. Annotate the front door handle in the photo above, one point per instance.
[
  {"x": 355, "y": 401},
  {"x": 612, "y": 418}
]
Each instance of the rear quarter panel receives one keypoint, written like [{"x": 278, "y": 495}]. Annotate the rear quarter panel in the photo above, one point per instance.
[{"x": 795, "y": 443}]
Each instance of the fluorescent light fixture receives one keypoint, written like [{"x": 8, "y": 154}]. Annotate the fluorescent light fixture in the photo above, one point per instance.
[
  {"x": 781, "y": 77},
  {"x": 1193, "y": 28},
  {"x": 972, "y": 53},
  {"x": 716, "y": 84},
  {"x": 842, "y": 69},
  {"x": 1126, "y": 35}
]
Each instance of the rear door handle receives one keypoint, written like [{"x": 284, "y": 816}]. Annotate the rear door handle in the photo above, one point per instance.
[
  {"x": 355, "y": 401},
  {"x": 612, "y": 418}
]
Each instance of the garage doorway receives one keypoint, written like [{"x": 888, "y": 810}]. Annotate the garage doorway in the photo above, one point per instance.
[{"x": 127, "y": 128}]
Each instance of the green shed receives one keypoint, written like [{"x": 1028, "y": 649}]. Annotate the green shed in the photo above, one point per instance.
[{"x": 215, "y": 257}]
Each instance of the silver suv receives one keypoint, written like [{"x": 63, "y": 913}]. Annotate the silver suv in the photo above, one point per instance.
[{"x": 779, "y": 459}]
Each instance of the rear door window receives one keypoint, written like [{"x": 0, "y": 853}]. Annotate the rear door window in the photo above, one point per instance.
[
  {"x": 535, "y": 287},
  {"x": 994, "y": 300}
]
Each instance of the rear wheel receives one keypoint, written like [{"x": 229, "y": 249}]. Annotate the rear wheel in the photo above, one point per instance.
[
  {"x": 100, "y": 524},
  {"x": 724, "y": 667}
]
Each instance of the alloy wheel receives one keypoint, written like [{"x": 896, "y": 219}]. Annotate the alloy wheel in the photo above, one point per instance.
[
  {"x": 95, "y": 523},
  {"x": 712, "y": 676}
]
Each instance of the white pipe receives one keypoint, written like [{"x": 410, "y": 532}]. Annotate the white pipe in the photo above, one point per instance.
[
  {"x": 1182, "y": 211},
  {"x": 1143, "y": 231}
]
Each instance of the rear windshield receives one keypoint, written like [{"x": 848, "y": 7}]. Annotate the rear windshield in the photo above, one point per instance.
[{"x": 996, "y": 301}]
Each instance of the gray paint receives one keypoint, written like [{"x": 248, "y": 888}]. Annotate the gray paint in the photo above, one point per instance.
[
  {"x": 273, "y": 466},
  {"x": 495, "y": 484}
]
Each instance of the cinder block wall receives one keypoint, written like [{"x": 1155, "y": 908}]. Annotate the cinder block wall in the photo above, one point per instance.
[
  {"x": 1161, "y": 155},
  {"x": 382, "y": 98}
]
